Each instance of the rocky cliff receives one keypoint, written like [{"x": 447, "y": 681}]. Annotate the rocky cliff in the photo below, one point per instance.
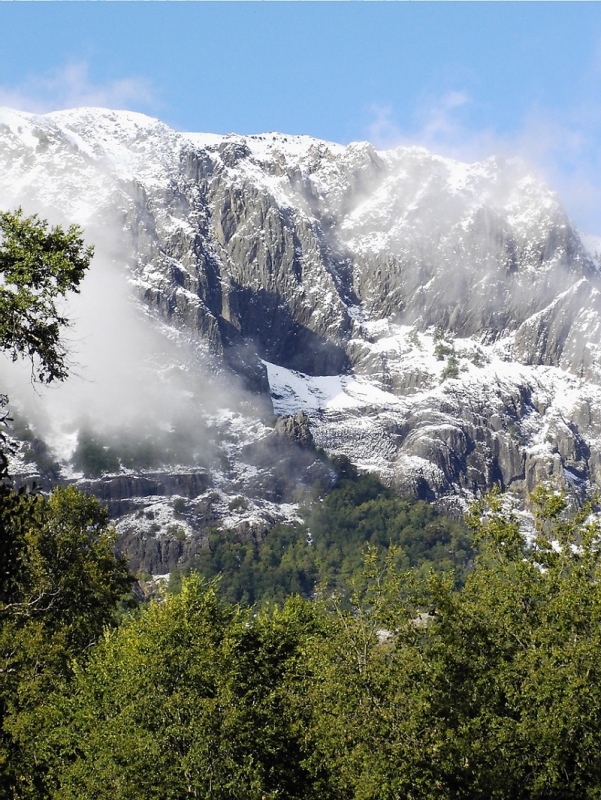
[{"x": 434, "y": 320}]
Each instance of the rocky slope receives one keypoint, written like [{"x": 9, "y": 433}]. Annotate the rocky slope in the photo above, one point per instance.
[{"x": 436, "y": 321}]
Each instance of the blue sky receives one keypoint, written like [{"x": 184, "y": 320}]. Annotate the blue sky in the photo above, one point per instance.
[{"x": 464, "y": 79}]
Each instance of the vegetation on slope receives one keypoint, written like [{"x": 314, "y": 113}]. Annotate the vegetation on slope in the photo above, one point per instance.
[
  {"x": 326, "y": 550},
  {"x": 420, "y": 688},
  {"x": 60, "y": 585}
]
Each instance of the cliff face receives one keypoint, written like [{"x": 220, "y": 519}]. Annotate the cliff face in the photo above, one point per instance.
[
  {"x": 436, "y": 321},
  {"x": 281, "y": 241}
]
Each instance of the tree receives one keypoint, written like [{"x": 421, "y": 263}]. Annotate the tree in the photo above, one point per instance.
[
  {"x": 58, "y": 590},
  {"x": 188, "y": 700},
  {"x": 39, "y": 266},
  {"x": 487, "y": 690},
  {"x": 424, "y": 689}
]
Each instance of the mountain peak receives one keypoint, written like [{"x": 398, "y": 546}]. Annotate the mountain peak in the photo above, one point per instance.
[{"x": 423, "y": 312}]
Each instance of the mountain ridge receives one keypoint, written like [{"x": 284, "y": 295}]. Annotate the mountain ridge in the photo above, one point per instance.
[{"x": 437, "y": 321}]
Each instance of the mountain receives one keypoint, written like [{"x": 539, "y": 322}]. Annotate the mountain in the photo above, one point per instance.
[{"x": 435, "y": 321}]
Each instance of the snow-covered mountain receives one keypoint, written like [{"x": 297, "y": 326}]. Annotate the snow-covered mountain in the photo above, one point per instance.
[{"x": 437, "y": 321}]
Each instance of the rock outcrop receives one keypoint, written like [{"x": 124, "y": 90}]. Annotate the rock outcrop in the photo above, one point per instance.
[
  {"x": 295, "y": 428},
  {"x": 436, "y": 321}
]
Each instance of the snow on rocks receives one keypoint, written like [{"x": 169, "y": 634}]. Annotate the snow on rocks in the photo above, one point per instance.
[{"x": 438, "y": 321}]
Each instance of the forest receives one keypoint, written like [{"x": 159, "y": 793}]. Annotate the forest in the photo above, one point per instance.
[
  {"x": 413, "y": 685},
  {"x": 325, "y": 551},
  {"x": 377, "y": 651}
]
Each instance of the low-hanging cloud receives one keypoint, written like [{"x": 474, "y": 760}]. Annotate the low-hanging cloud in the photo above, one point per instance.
[
  {"x": 562, "y": 147},
  {"x": 132, "y": 378}
]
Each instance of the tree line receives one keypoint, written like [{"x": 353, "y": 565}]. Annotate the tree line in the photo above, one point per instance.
[
  {"x": 414, "y": 687},
  {"x": 400, "y": 682}
]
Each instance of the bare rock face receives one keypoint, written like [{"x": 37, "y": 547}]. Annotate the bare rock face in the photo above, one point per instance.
[
  {"x": 271, "y": 241},
  {"x": 117, "y": 491},
  {"x": 565, "y": 333},
  {"x": 435, "y": 321},
  {"x": 295, "y": 428}
]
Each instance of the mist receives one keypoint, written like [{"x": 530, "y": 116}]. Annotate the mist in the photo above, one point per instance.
[
  {"x": 132, "y": 381},
  {"x": 561, "y": 148}
]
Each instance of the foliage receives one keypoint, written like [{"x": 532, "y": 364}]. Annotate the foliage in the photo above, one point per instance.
[
  {"x": 187, "y": 700},
  {"x": 327, "y": 549},
  {"x": 59, "y": 586},
  {"x": 412, "y": 686},
  {"x": 39, "y": 266},
  {"x": 442, "y": 350},
  {"x": 145, "y": 448},
  {"x": 451, "y": 369},
  {"x": 495, "y": 692},
  {"x": 34, "y": 449},
  {"x": 59, "y": 579}
]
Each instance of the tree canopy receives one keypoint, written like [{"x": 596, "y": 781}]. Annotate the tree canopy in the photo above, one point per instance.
[
  {"x": 421, "y": 688},
  {"x": 39, "y": 265}
]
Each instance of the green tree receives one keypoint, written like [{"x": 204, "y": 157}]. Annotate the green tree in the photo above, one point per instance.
[
  {"x": 59, "y": 588},
  {"x": 328, "y": 548},
  {"x": 419, "y": 687},
  {"x": 188, "y": 700},
  {"x": 487, "y": 690},
  {"x": 360, "y": 701},
  {"x": 93, "y": 458},
  {"x": 39, "y": 266}
]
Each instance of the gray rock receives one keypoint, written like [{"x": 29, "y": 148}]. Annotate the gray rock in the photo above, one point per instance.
[
  {"x": 295, "y": 428},
  {"x": 293, "y": 251}
]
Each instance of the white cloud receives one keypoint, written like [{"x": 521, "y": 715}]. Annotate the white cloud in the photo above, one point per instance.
[
  {"x": 383, "y": 132},
  {"x": 565, "y": 148},
  {"x": 438, "y": 124},
  {"x": 440, "y": 118},
  {"x": 71, "y": 86}
]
